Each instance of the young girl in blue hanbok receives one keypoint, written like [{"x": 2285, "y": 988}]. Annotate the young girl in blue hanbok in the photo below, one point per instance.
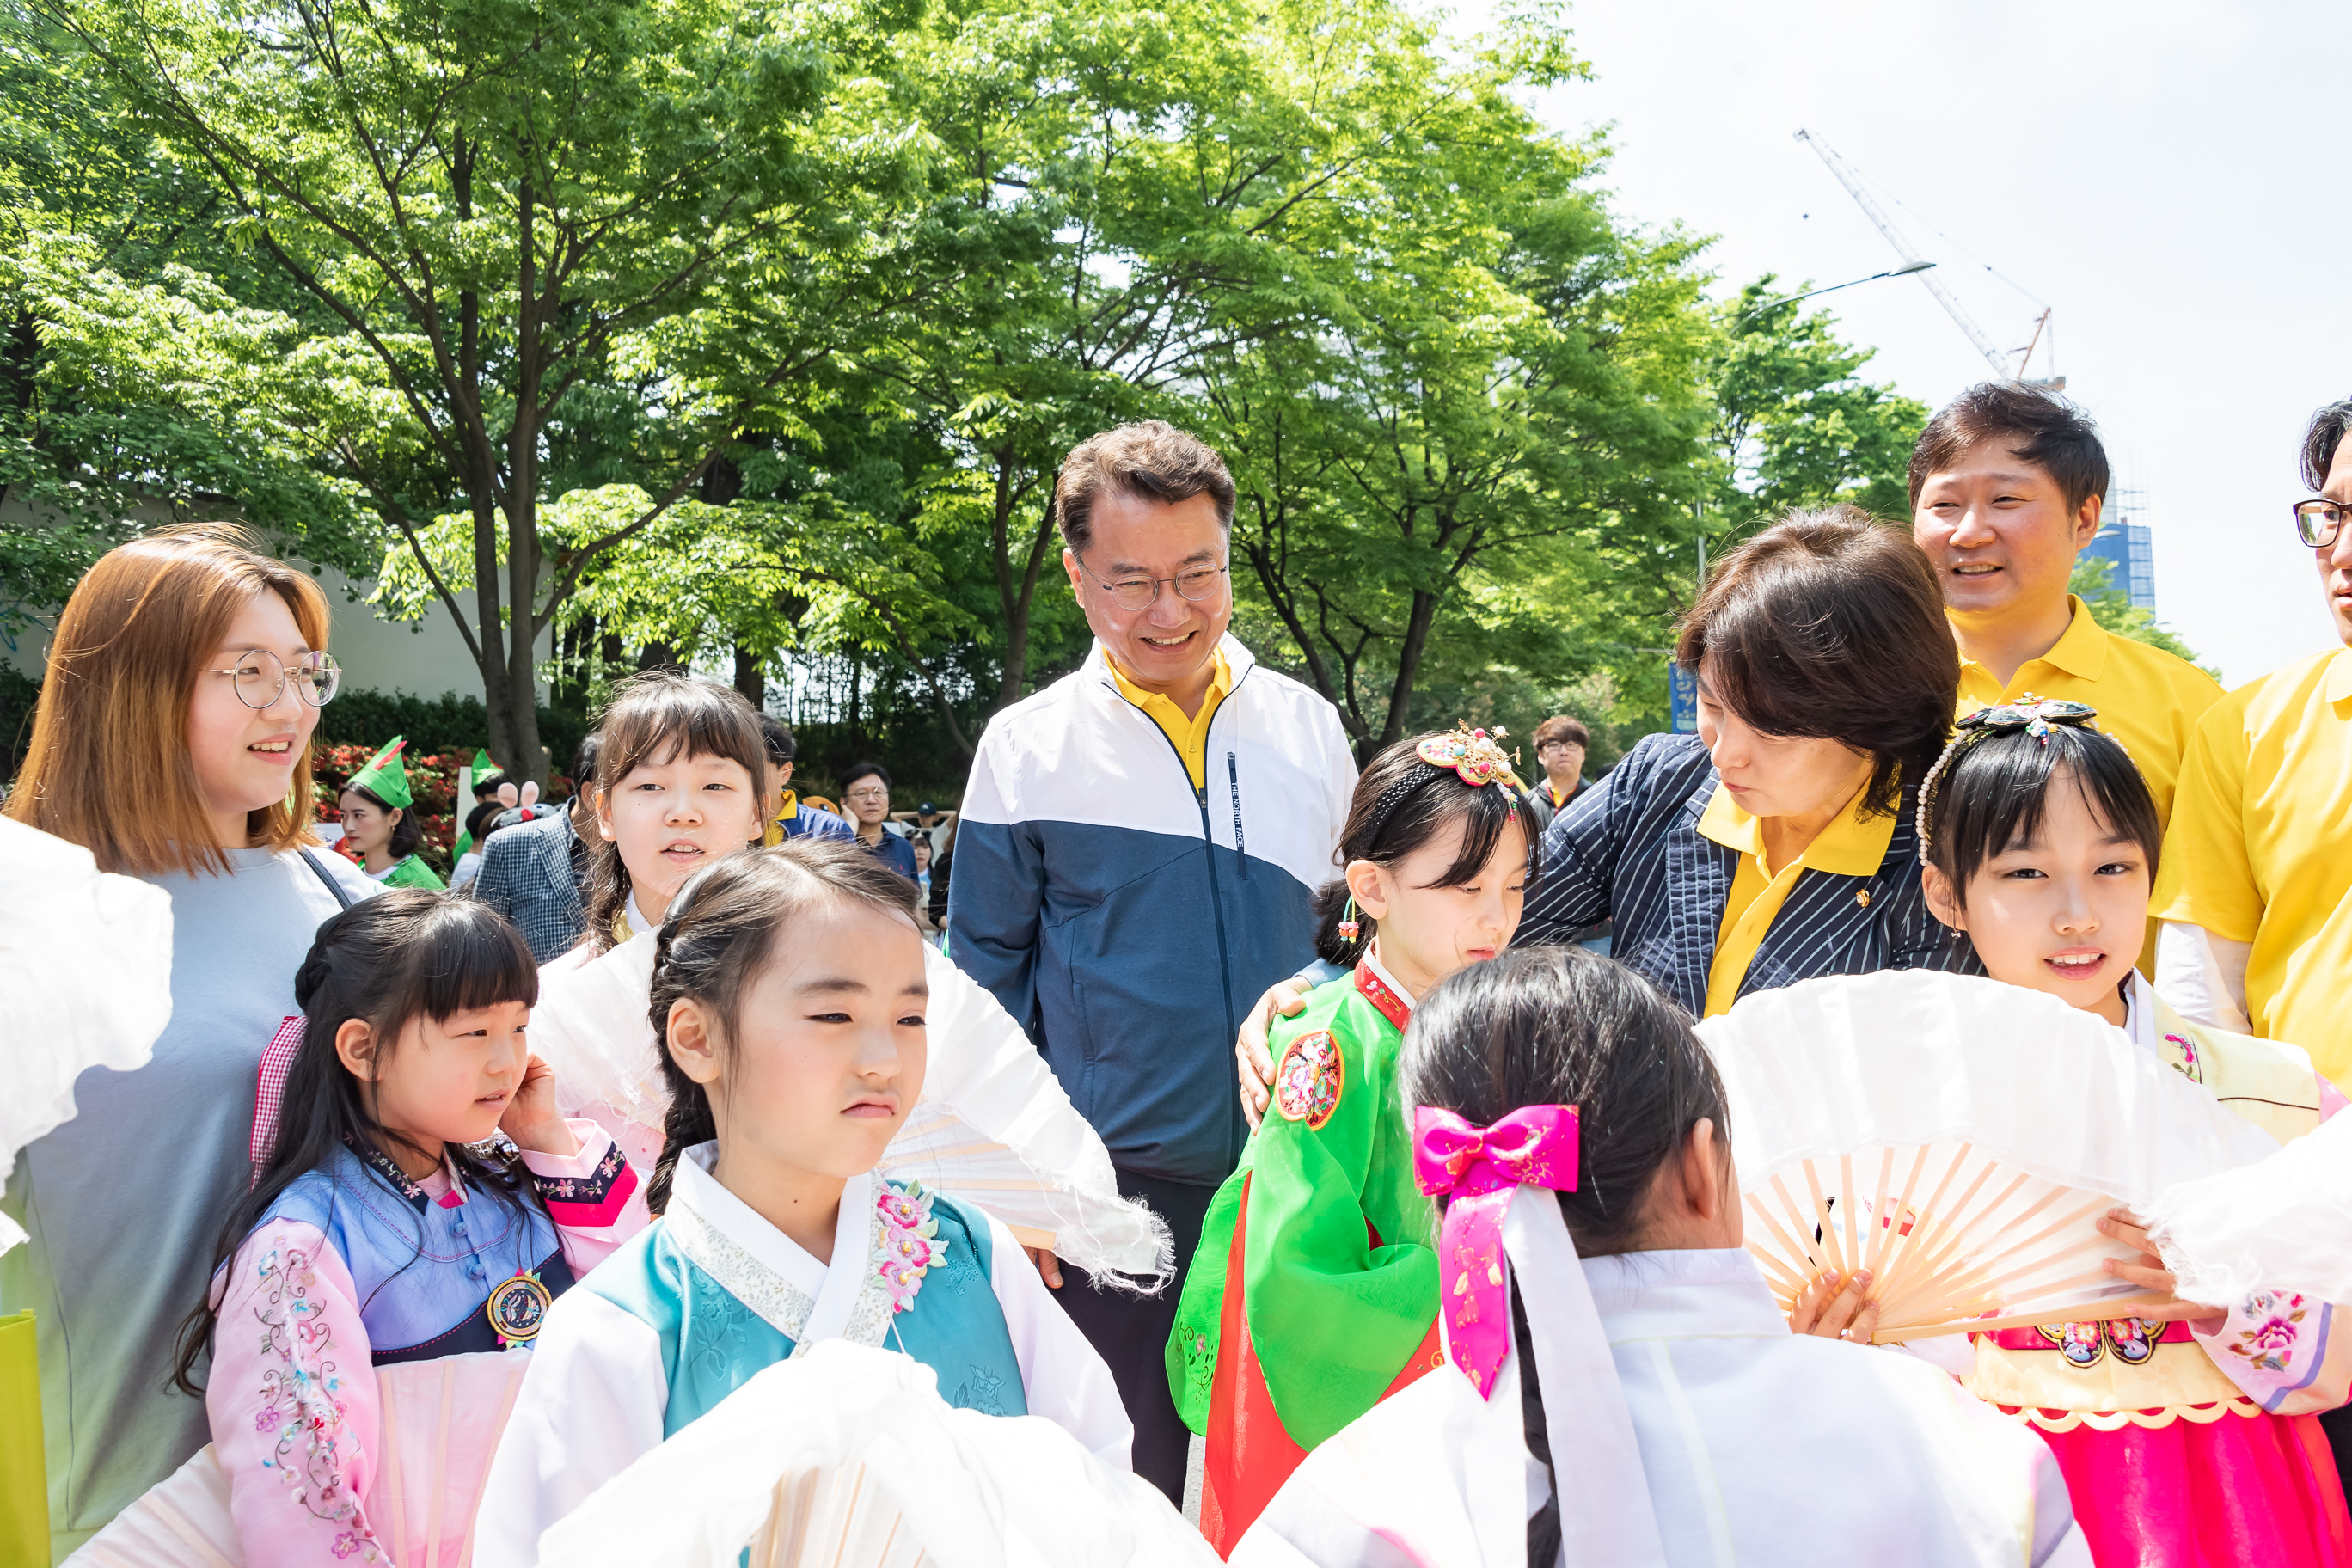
[
  {"x": 789, "y": 994},
  {"x": 421, "y": 1207}
]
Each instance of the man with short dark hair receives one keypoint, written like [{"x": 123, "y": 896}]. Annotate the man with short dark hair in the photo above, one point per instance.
[
  {"x": 2254, "y": 890},
  {"x": 1559, "y": 745},
  {"x": 2007, "y": 483},
  {"x": 1137, "y": 859},
  {"x": 793, "y": 820}
]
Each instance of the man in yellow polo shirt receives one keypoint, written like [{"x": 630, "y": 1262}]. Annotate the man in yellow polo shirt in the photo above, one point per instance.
[
  {"x": 2007, "y": 484},
  {"x": 2256, "y": 884}
]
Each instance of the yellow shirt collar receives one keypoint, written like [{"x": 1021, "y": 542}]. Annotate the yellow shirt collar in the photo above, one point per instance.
[
  {"x": 2081, "y": 650},
  {"x": 2339, "y": 675},
  {"x": 1220, "y": 681},
  {"x": 1850, "y": 845}
]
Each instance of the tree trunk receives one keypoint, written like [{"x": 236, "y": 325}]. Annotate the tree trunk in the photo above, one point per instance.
[
  {"x": 1017, "y": 598},
  {"x": 857, "y": 691},
  {"x": 751, "y": 678},
  {"x": 1415, "y": 643},
  {"x": 657, "y": 656}
]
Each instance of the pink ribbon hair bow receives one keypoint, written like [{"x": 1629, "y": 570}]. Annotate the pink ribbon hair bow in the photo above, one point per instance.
[{"x": 1481, "y": 1167}]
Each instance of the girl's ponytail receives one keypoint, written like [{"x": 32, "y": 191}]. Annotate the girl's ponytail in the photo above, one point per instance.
[
  {"x": 688, "y": 1122},
  {"x": 1553, "y": 1026}
]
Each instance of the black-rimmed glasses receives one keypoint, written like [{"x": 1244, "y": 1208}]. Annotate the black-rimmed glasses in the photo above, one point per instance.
[
  {"x": 2316, "y": 522},
  {"x": 1196, "y": 583},
  {"x": 260, "y": 677}
]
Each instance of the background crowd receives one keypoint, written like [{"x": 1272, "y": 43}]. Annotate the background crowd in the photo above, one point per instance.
[{"x": 1133, "y": 866}]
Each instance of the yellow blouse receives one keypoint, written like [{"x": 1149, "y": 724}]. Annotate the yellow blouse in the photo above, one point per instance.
[{"x": 1850, "y": 845}]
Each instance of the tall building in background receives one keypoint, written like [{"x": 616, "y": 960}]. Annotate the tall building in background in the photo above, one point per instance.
[{"x": 2124, "y": 544}]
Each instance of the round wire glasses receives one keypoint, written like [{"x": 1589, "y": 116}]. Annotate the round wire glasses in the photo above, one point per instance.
[{"x": 261, "y": 676}]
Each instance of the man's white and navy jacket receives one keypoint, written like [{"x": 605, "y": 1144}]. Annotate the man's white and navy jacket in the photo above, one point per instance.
[{"x": 1130, "y": 921}]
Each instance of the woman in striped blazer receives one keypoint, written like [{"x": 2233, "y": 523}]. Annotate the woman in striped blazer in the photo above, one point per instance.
[{"x": 1778, "y": 843}]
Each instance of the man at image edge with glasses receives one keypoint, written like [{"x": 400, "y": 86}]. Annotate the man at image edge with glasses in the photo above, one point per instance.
[
  {"x": 2254, "y": 889},
  {"x": 1136, "y": 861}
]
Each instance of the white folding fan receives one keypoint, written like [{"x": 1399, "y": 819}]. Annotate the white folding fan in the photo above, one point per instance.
[
  {"x": 991, "y": 1125},
  {"x": 85, "y": 981},
  {"x": 847, "y": 1457},
  {"x": 1960, "y": 1139}
]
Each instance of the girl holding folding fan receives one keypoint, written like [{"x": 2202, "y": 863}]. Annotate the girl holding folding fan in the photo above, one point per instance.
[
  {"x": 1620, "y": 1386},
  {"x": 2187, "y": 1437}
]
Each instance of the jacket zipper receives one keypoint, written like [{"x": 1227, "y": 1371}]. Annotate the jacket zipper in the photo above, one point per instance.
[
  {"x": 1208, "y": 845},
  {"x": 1234, "y": 791}
]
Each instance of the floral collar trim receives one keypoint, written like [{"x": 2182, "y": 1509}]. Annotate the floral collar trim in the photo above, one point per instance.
[
  {"x": 1381, "y": 995},
  {"x": 416, "y": 1192},
  {"x": 907, "y": 1240},
  {"x": 902, "y": 1247}
]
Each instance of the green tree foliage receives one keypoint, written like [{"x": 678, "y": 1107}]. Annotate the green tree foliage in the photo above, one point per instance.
[
  {"x": 2112, "y": 608},
  {"x": 1795, "y": 425},
  {"x": 128, "y": 372},
  {"x": 517, "y": 225},
  {"x": 755, "y": 330}
]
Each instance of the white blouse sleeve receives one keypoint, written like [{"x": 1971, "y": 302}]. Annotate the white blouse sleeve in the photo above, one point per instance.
[
  {"x": 1061, "y": 1376},
  {"x": 590, "y": 1405},
  {"x": 2203, "y": 975}
]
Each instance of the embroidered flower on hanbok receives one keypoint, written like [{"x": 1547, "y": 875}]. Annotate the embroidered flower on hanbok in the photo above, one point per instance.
[
  {"x": 2269, "y": 1345},
  {"x": 2190, "y": 1066},
  {"x": 298, "y": 1396},
  {"x": 908, "y": 1244}
]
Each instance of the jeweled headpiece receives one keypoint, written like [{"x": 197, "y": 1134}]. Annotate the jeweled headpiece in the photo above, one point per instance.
[
  {"x": 2034, "y": 715},
  {"x": 1472, "y": 754}
]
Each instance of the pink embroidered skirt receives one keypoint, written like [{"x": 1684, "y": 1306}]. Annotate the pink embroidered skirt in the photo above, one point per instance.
[{"x": 2244, "y": 1491}]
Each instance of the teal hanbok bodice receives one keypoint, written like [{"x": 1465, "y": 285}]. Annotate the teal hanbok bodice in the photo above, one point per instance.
[{"x": 723, "y": 1316}]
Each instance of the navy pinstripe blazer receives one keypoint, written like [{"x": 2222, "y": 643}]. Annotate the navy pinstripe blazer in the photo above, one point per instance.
[{"x": 1630, "y": 851}]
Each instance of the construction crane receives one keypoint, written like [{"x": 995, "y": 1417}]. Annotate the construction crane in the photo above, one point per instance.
[{"x": 1914, "y": 261}]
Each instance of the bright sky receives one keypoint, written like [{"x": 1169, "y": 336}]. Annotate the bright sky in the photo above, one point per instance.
[{"x": 2164, "y": 174}]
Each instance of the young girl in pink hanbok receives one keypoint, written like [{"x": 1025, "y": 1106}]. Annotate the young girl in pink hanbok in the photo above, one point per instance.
[
  {"x": 2189, "y": 1439},
  {"x": 421, "y": 1207}
]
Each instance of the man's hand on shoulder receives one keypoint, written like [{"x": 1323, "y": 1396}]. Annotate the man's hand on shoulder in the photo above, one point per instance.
[{"x": 1253, "y": 1054}]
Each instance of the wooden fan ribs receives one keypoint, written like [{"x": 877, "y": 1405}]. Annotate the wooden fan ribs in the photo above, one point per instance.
[{"x": 1929, "y": 1276}]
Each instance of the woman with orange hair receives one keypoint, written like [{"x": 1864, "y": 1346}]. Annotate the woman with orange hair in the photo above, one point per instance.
[{"x": 173, "y": 742}]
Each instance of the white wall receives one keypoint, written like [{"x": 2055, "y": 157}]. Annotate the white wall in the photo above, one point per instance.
[{"x": 425, "y": 659}]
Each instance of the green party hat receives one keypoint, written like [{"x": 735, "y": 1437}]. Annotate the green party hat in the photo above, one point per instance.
[
  {"x": 480, "y": 769},
  {"x": 384, "y": 778}
]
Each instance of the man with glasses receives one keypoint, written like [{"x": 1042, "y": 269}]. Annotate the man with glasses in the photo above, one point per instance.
[
  {"x": 866, "y": 793},
  {"x": 1137, "y": 860},
  {"x": 2007, "y": 484},
  {"x": 2256, "y": 887}
]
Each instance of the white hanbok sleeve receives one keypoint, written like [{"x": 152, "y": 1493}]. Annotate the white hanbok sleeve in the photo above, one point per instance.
[
  {"x": 591, "y": 1405},
  {"x": 2203, "y": 975},
  {"x": 1062, "y": 1377}
]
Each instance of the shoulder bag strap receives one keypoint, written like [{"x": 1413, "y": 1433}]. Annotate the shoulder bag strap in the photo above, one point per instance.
[{"x": 341, "y": 896}]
